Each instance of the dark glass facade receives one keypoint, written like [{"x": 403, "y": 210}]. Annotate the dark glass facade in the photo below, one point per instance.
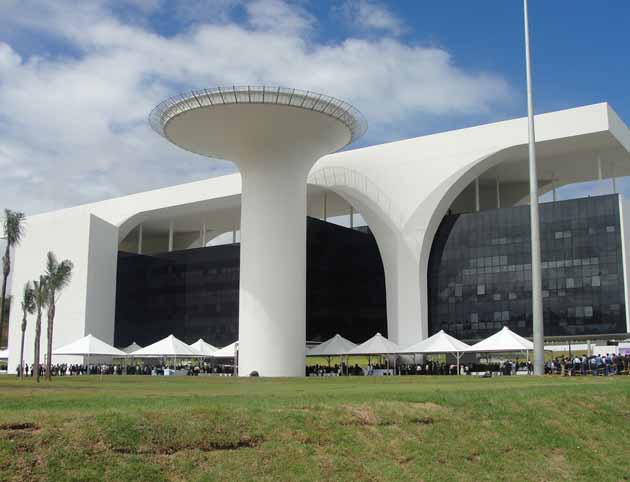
[
  {"x": 194, "y": 293},
  {"x": 480, "y": 273}
]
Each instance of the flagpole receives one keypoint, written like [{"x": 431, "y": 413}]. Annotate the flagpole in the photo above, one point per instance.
[{"x": 537, "y": 307}]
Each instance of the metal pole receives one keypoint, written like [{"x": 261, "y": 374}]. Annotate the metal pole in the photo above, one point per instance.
[
  {"x": 170, "y": 236},
  {"x": 140, "y": 239},
  {"x": 498, "y": 194},
  {"x": 537, "y": 306},
  {"x": 477, "y": 194}
]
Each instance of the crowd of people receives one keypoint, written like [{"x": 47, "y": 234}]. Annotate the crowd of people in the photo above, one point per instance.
[
  {"x": 63, "y": 369},
  {"x": 597, "y": 365},
  {"x": 609, "y": 364},
  {"x": 333, "y": 370},
  {"x": 429, "y": 368}
]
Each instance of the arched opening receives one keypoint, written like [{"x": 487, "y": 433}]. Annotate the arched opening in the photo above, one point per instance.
[
  {"x": 479, "y": 273},
  {"x": 173, "y": 279}
]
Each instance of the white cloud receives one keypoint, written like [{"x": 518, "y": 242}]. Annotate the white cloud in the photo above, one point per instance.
[
  {"x": 278, "y": 16},
  {"x": 73, "y": 124},
  {"x": 369, "y": 15}
]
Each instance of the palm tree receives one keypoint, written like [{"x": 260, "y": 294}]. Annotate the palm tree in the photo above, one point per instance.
[
  {"x": 7, "y": 310},
  {"x": 58, "y": 275},
  {"x": 28, "y": 307},
  {"x": 40, "y": 296},
  {"x": 13, "y": 231}
]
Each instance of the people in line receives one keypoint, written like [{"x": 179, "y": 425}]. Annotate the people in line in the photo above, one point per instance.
[
  {"x": 191, "y": 369},
  {"x": 596, "y": 365},
  {"x": 334, "y": 370}
]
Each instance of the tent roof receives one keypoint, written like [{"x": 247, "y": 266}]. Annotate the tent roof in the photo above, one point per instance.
[
  {"x": 337, "y": 345},
  {"x": 204, "y": 348},
  {"x": 503, "y": 340},
  {"x": 377, "y": 345},
  {"x": 131, "y": 348},
  {"x": 441, "y": 342},
  {"x": 4, "y": 354},
  {"x": 226, "y": 352},
  {"x": 88, "y": 345},
  {"x": 169, "y": 346}
]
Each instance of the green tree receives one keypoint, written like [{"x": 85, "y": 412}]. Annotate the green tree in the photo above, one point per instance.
[
  {"x": 58, "y": 276},
  {"x": 13, "y": 230},
  {"x": 40, "y": 296},
  {"x": 28, "y": 307}
]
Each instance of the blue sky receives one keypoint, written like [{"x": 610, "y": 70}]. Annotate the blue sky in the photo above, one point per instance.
[{"x": 77, "y": 79}]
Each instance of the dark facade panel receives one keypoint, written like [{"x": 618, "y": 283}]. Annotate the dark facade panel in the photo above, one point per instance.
[
  {"x": 194, "y": 293},
  {"x": 480, "y": 273}
]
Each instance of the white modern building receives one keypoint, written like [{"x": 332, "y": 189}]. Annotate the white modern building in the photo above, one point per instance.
[{"x": 443, "y": 210}]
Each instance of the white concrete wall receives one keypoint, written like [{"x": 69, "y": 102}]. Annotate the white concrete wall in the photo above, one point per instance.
[
  {"x": 100, "y": 309},
  {"x": 67, "y": 234}
]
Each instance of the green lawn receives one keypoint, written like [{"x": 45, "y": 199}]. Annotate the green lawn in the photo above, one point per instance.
[{"x": 345, "y": 429}]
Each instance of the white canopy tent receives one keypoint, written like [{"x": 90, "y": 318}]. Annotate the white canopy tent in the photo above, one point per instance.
[
  {"x": 4, "y": 354},
  {"x": 89, "y": 346},
  {"x": 227, "y": 351},
  {"x": 167, "y": 347},
  {"x": 205, "y": 349},
  {"x": 377, "y": 345},
  {"x": 504, "y": 340},
  {"x": 441, "y": 342},
  {"x": 131, "y": 348},
  {"x": 335, "y": 346}
]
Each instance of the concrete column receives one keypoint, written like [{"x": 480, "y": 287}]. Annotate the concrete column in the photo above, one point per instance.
[
  {"x": 599, "y": 168},
  {"x": 204, "y": 232},
  {"x": 234, "y": 236},
  {"x": 325, "y": 206},
  {"x": 272, "y": 305},
  {"x": 403, "y": 284},
  {"x": 477, "y": 194},
  {"x": 351, "y": 217},
  {"x": 170, "y": 235},
  {"x": 140, "y": 239}
]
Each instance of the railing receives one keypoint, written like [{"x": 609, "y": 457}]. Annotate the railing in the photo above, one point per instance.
[{"x": 304, "y": 99}]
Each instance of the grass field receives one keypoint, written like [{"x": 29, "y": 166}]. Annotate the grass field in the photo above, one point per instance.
[{"x": 345, "y": 429}]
